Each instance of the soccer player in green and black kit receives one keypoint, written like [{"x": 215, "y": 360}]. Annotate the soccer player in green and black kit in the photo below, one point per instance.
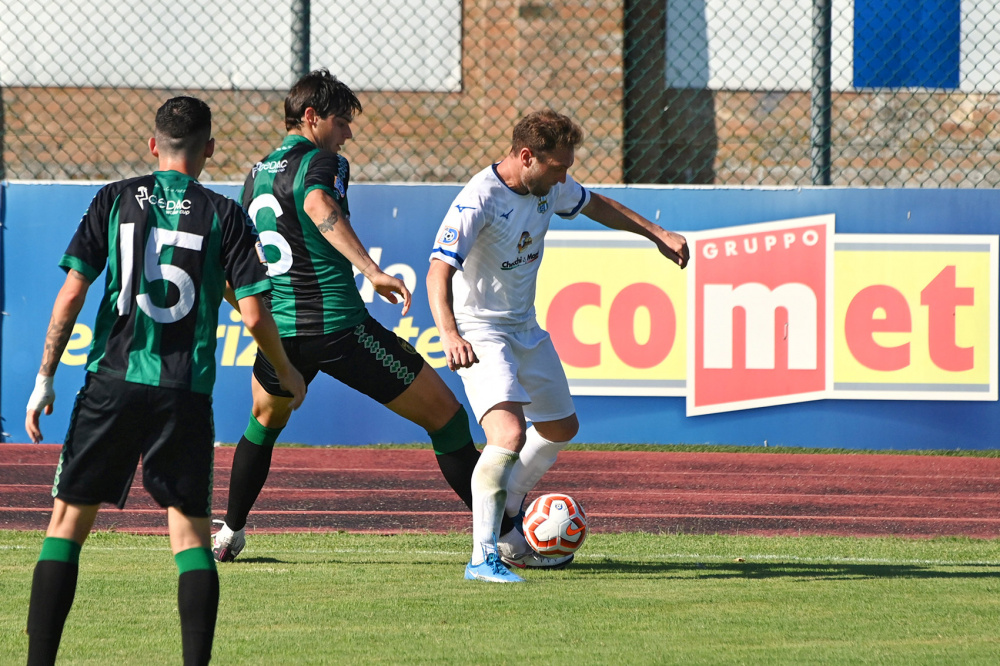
[
  {"x": 170, "y": 246},
  {"x": 297, "y": 197}
]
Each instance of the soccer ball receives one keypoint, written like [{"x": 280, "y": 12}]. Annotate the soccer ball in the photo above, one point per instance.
[{"x": 555, "y": 525}]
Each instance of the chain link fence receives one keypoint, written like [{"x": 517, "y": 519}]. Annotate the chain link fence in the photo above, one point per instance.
[{"x": 733, "y": 92}]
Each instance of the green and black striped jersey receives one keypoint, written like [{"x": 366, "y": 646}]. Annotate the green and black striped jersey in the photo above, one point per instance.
[
  {"x": 313, "y": 288},
  {"x": 170, "y": 245}
]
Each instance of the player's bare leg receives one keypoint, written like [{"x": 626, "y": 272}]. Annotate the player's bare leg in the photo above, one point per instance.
[
  {"x": 53, "y": 585},
  {"x": 71, "y": 521},
  {"x": 272, "y": 411},
  {"x": 427, "y": 401}
]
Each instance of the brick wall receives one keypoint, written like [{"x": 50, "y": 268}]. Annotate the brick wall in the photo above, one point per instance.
[{"x": 518, "y": 56}]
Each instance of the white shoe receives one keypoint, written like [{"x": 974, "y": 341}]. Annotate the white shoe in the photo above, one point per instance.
[
  {"x": 515, "y": 552},
  {"x": 227, "y": 544}
]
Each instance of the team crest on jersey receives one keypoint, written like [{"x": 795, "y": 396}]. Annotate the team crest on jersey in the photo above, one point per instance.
[
  {"x": 525, "y": 241},
  {"x": 449, "y": 236},
  {"x": 338, "y": 184},
  {"x": 543, "y": 205}
]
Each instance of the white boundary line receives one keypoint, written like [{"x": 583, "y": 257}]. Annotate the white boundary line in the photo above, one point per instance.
[{"x": 748, "y": 558}]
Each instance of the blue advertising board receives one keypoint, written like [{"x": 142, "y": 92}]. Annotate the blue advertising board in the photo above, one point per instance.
[{"x": 397, "y": 222}]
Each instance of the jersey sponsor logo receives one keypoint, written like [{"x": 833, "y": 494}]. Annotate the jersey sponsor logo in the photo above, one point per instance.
[
  {"x": 525, "y": 241},
  {"x": 275, "y": 166},
  {"x": 543, "y": 205},
  {"x": 449, "y": 236},
  {"x": 506, "y": 215},
  {"x": 338, "y": 184},
  {"x": 170, "y": 206},
  {"x": 523, "y": 260},
  {"x": 460, "y": 208}
]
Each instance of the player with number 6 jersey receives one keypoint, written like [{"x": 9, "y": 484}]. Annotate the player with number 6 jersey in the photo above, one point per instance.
[
  {"x": 297, "y": 197},
  {"x": 313, "y": 290}
]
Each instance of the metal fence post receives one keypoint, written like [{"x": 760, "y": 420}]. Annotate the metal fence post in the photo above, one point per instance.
[
  {"x": 821, "y": 100},
  {"x": 644, "y": 54},
  {"x": 300, "y": 39}
]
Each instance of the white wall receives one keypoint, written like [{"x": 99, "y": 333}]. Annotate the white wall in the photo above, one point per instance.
[{"x": 391, "y": 44}]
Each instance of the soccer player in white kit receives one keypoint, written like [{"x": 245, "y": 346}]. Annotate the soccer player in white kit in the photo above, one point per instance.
[{"x": 481, "y": 289}]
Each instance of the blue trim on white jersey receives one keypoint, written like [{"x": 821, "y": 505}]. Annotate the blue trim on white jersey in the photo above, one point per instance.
[
  {"x": 453, "y": 255},
  {"x": 503, "y": 182},
  {"x": 576, "y": 210}
]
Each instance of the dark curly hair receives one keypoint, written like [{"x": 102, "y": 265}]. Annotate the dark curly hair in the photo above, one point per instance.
[{"x": 323, "y": 92}]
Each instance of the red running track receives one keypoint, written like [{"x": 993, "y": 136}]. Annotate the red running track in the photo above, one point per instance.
[{"x": 390, "y": 491}]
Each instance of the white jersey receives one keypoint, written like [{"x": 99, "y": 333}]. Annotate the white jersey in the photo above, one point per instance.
[{"x": 495, "y": 237}]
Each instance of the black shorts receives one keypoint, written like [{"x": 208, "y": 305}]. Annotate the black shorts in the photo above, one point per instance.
[
  {"x": 368, "y": 358},
  {"x": 115, "y": 422}
]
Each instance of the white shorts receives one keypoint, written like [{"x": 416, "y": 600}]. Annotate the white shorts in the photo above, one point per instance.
[{"x": 519, "y": 367}]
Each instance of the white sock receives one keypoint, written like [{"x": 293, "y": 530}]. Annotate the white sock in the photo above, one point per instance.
[
  {"x": 489, "y": 483},
  {"x": 537, "y": 456}
]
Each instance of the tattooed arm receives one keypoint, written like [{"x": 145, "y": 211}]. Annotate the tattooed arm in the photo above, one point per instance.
[
  {"x": 336, "y": 228},
  {"x": 67, "y": 307}
]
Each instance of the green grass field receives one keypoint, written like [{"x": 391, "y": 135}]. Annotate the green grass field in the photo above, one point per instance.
[{"x": 628, "y": 599}]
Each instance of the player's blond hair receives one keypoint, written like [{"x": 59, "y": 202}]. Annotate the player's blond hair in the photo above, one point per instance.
[{"x": 544, "y": 131}]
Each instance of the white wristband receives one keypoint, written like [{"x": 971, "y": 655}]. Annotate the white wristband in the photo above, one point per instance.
[{"x": 43, "y": 395}]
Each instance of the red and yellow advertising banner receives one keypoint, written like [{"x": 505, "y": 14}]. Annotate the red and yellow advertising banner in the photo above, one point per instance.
[
  {"x": 616, "y": 311},
  {"x": 917, "y": 317},
  {"x": 774, "y": 313}
]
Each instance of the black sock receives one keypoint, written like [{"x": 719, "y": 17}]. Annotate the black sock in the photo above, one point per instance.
[
  {"x": 251, "y": 464},
  {"x": 506, "y": 524},
  {"x": 457, "y": 469},
  {"x": 198, "y": 603},
  {"x": 52, "y": 590}
]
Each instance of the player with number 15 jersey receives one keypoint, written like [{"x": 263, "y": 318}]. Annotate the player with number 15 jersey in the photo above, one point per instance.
[{"x": 160, "y": 235}]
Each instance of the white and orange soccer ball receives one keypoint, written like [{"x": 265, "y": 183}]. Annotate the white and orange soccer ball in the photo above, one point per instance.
[{"x": 555, "y": 525}]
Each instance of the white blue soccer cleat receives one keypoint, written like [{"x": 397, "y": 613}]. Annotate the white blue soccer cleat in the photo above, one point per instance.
[{"x": 491, "y": 570}]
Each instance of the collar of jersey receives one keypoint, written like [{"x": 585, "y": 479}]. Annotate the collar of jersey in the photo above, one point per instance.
[
  {"x": 497, "y": 174},
  {"x": 292, "y": 139},
  {"x": 170, "y": 173}
]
